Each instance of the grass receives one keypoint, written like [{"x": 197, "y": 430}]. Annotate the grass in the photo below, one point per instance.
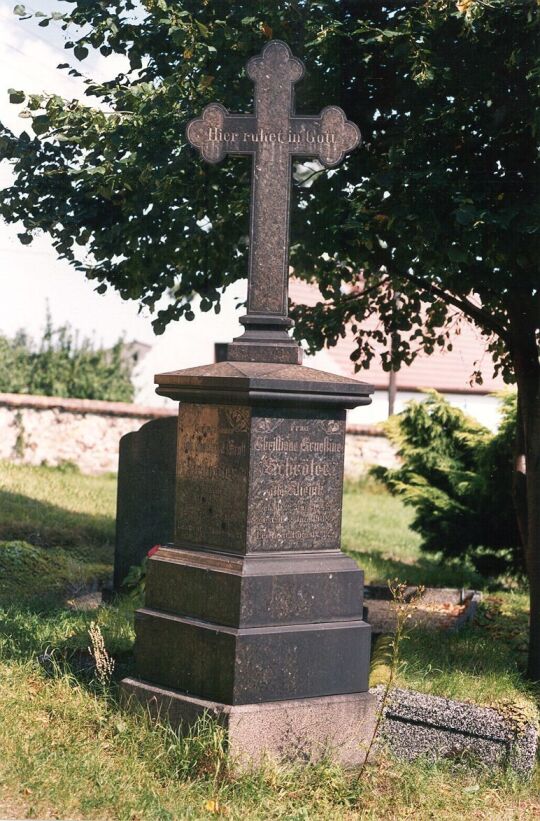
[
  {"x": 75, "y": 755},
  {"x": 58, "y": 507},
  {"x": 46, "y": 546},
  {"x": 70, "y": 751},
  {"x": 376, "y": 532},
  {"x": 482, "y": 662}
]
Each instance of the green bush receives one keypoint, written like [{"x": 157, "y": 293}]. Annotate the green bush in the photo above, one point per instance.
[
  {"x": 457, "y": 475},
  {"x": 63, "y": 365}
]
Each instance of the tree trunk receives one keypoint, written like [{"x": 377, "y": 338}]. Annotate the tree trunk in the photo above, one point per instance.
[
  {"x": 531, "y": 408},
  {"x": 519, "y": 480},
  {"x": 525, "y": 355}
]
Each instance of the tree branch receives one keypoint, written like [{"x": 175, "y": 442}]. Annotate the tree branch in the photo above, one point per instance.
[
  {"x": 357, "y": 294},
  {"x": 463, "y": 304}
]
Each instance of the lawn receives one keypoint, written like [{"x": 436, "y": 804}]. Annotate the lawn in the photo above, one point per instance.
[
  {"x": 56, "y": 526},
  {"x": 69, "y": 751}
]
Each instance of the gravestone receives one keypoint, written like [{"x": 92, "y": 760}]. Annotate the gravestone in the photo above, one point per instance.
[
  {"x": 253, "y": 613},
  {"x": 146, "y": 493}
]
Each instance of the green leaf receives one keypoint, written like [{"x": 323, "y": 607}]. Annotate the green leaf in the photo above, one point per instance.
[
  {"x": 80, "y": 52},
  {"x": 19, "y": 10},
  {"x": 465, "y": 216},
  {"x": 41, "y": 124},
  {"x": 457, "y": 254},
  {"x": 16, "y": 97}
]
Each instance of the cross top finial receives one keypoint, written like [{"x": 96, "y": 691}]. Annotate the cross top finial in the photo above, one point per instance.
[
  {"x": 273, "y": 135},
  {"x": 276, "y": 62}
]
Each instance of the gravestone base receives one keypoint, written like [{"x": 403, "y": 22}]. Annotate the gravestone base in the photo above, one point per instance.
[
  {"x": 252, "y": 612},
  {"x": 305, "y": 729}
]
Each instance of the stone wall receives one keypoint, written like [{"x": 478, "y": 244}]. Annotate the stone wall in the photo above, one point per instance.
[
  {"x": 49, "y": 430},
  {"x": 367, "y": 445}
]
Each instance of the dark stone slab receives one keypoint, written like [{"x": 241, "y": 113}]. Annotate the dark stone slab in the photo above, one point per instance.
[
  {"x": 261, "y": 480},
  {"x": 252, "y": 350},
  {"x": 255, "y": 383},
  {"x": 255, "y": 590},
  {"x": 237, "y": 615},
  {"x": 146, "y": 493},
  {"x": 296, "y": 480},
  {"x": 253, "y": 601},
  {"x": 212, "y": 484},
  {"x": 252, "y": 665}
]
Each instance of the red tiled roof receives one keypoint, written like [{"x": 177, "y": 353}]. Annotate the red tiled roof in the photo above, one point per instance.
[{"x": 446, "y": 371}]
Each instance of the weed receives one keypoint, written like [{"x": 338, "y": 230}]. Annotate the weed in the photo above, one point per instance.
[
  {"x": 390, "y": 648},
  {"x": 102, "y": 660}
]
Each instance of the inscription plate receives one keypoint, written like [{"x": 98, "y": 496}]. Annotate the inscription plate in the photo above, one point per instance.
[
  {"x": 212, "y": 475},
  {"x": 296, "y": 481}
]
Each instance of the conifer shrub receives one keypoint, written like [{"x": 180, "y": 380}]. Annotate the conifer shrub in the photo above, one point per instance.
[{"x": 457, "y": 475}]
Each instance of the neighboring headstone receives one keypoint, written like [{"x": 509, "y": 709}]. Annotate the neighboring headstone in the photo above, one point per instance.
[
  {"x": 253, "y": 613},
  {"x": 146, "y": 493}
]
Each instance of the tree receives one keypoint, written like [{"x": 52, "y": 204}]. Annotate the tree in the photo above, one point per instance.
[
  {"x": 64, "y": 365},
  {"x": 434, "y": 221}
]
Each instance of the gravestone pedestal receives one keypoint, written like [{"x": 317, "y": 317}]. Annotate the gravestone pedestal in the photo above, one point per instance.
[{"x": 254, "y": 613}]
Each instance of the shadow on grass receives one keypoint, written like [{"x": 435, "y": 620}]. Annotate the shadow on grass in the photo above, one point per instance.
[
  {"x": 44, "y": 630},
  {"x": 430, "y": 571},
  {"x": 48, "y": 525}
]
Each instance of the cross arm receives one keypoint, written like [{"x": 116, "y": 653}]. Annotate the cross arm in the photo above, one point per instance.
[
  {"x": 328, "y": 137},
  {"x": 217, "y": 133}
]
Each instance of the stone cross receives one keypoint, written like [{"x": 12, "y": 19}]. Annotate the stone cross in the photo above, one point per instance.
[{"x": 273, "y": 135}]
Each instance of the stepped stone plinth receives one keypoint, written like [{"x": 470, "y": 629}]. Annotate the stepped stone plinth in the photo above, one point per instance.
[{"x": 254, "y": 602}]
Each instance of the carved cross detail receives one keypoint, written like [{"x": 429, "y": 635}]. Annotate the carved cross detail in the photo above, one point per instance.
[{"x": 272, "y": 135}]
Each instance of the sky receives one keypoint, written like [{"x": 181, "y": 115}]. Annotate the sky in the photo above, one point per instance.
[{"x": 31, "y": 277}]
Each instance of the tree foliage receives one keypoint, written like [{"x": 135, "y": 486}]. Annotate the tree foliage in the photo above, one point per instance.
[
  {"x": 63, "y": 365},
  {"x": 457, "y": 476},
  {"x": 444, "y": 191}
]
